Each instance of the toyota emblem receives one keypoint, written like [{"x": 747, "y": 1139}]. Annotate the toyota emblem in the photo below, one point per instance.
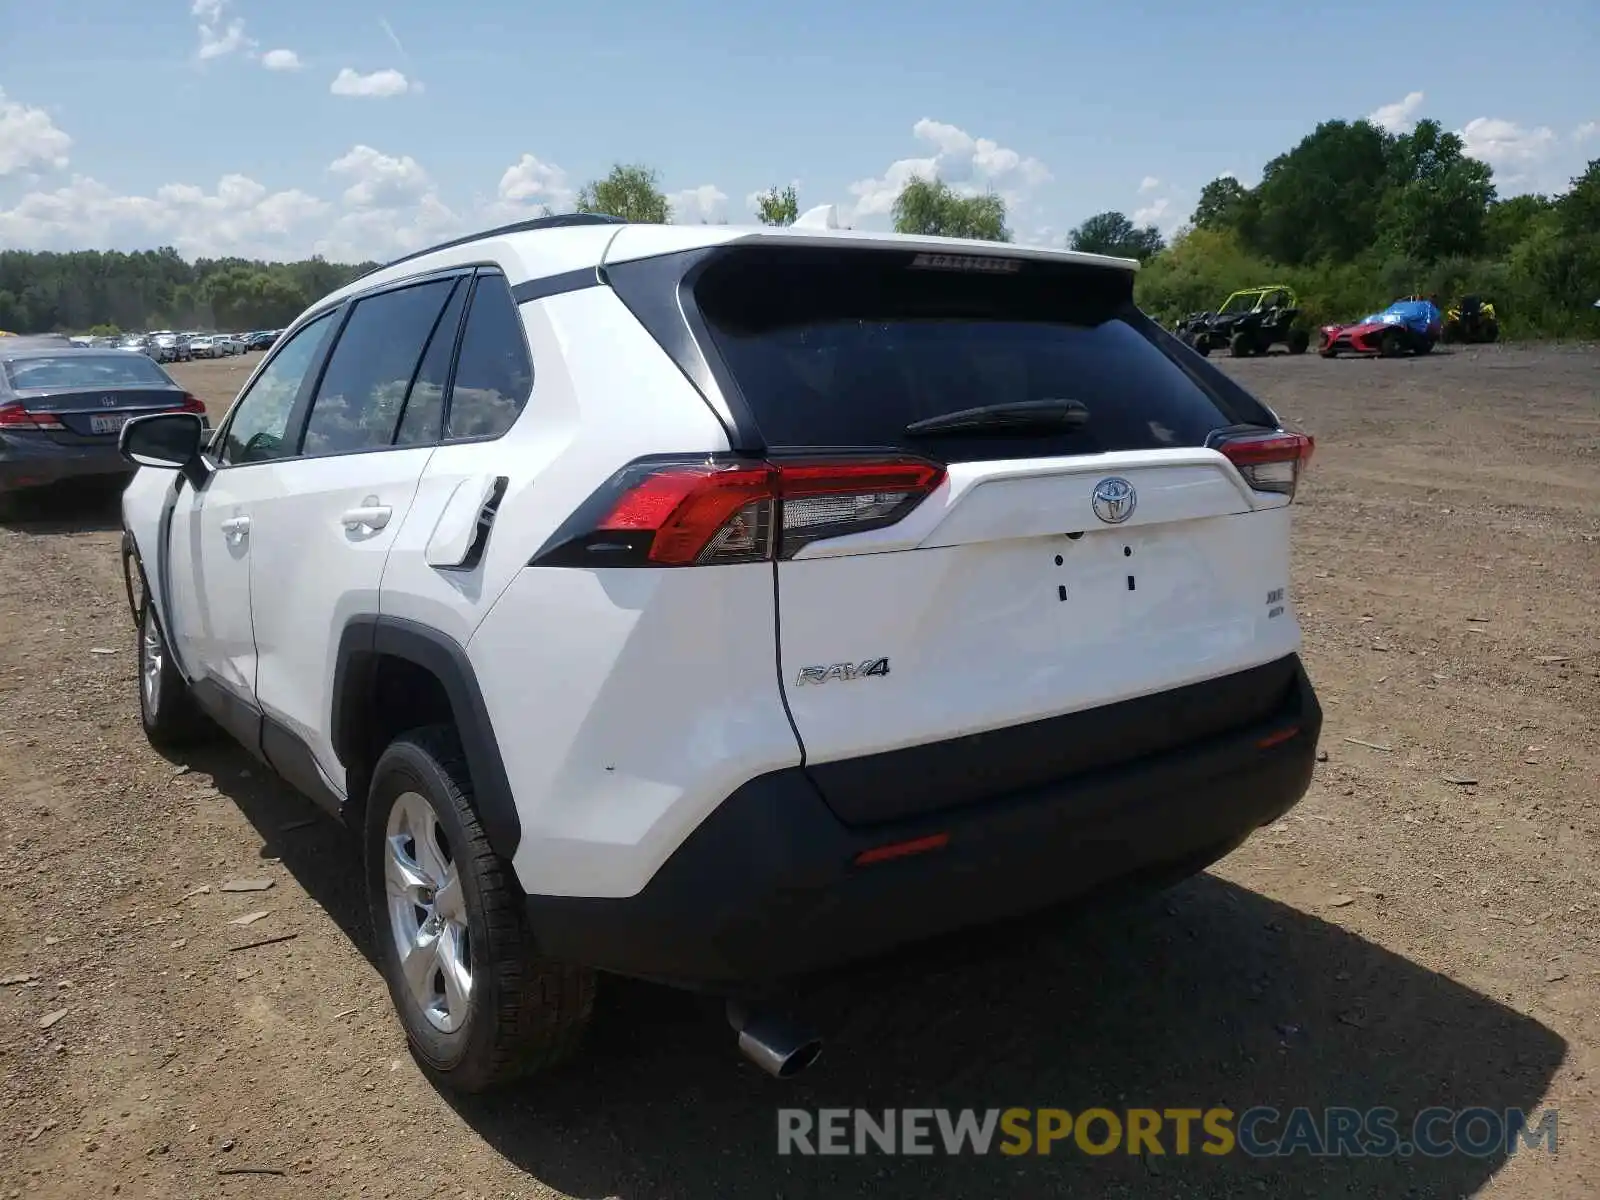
[{"x": 1114, "y": 500}]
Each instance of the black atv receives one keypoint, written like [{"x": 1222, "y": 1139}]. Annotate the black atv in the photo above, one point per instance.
[
  {"x": 1249, "y": 322},
  {"x": 1471, "y": 319}
]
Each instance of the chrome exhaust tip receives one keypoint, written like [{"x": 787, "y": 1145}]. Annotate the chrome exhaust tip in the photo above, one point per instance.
[{"x": 780, "y": 1047}]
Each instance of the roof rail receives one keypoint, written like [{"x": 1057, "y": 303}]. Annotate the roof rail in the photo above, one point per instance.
[{"x": 558, "y": 221}]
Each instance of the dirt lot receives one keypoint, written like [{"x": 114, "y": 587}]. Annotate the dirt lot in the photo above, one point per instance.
[{"x": 1422, "y": 929}]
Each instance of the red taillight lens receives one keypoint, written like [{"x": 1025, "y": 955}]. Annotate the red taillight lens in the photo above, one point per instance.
[
  {"x": 192, "y": 404},
  {"x": 707, "y": 512},
  {"x": 1270, "y": 462},
  {"x": 701, "y": 513},
  {"x": 14, "y": 416}
]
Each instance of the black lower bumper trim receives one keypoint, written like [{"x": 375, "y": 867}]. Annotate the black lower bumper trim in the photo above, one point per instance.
[{"x": 768, "y": 887}]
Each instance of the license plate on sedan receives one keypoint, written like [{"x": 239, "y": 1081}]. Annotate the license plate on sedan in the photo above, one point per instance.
[{"x": 110, "y": 423}]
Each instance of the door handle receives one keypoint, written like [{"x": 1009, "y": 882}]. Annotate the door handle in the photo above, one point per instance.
[
  {"x": 236, "y": 526},
  {"x": 370, "y": 516}
]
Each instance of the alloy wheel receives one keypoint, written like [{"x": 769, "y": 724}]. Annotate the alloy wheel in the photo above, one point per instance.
[
  {"x": 152, "y": 657},
  {"x": 428, "y": 913}
]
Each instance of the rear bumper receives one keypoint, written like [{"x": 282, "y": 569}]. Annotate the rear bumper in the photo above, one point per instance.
[
  {"x": 768, "y": 887},
  {"x": 29, "y": 462}
]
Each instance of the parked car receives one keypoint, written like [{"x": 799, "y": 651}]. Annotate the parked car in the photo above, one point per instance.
[
  {"x": 61, "y": 410},
  {"x": 170, "y": 346},
  {"x": 1408, "y": 326},
  {"x": 137, "y": 344},
  {"x": 1032, "y": 558},
  {"x": 262, "y": 339},
  {"x": 227, "y": 344},
  {"x": 204, "y": 346}
]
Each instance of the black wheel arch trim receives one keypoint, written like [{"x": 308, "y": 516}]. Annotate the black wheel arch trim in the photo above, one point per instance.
[{"x": 364, "y": 642}]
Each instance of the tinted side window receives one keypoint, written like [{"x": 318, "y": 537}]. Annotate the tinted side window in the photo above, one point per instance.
[
  {"x": 420, "y": 426},
  {"x": 261, "y": 418},
  {"x": 494, "y": 373},
  {"x": 359, "y": 400}
]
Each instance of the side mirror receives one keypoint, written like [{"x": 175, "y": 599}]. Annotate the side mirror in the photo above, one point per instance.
[{"x": 167, "y": 440}]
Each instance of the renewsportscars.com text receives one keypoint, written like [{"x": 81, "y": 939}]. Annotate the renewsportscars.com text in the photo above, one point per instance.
[{"x": 1259, "y": 1132}]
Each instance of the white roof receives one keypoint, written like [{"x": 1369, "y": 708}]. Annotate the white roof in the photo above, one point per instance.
[{"x": 539, "y": 253}]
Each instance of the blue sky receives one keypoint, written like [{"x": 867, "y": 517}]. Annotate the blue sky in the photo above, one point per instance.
[{"x": 283, "y": 128}]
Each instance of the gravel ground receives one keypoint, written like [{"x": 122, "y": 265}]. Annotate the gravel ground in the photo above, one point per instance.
[{"x": 1420, "y": 931}]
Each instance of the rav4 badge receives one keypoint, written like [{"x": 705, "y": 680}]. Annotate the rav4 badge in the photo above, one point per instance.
[{"x": 867, "y": 669}]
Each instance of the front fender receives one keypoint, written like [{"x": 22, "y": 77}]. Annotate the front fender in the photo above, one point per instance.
[{"x": 147, "y": 506}]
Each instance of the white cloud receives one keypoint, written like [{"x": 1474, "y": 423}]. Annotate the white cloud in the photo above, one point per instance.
[
  {"x": 1157, "y": 212},
  {"x": 282, "y": 60},
  {"x": 380, "y": 180},
  {"x": 385, "y": 233},
  {"x": 28, "y": 137},
  {"x": 378, "y": 85},
  {"x": 703, "y": 205},
  {"x": 1399, "y": 117},
  {"x": 1149, "y": 184},
  {"x": 970, "y": 165},
  {"x": 240, "y": 218},
  {"x": 220, "y": 33},
  {"x": 529, "y": 187},
  {"x": 1586, "y": 131},
  {"x": 1505, "y": 145}
]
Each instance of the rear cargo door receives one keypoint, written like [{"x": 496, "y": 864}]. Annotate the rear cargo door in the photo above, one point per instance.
[{"x": 1051, "y": 568}]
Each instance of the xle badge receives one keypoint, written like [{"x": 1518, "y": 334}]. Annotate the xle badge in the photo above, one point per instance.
[{"x": 867, "y": 669}]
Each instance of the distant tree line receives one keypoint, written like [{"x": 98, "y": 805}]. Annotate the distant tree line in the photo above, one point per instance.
[
  {"x": 1351, "y": 217},
  {"x": 108, "y": 291},
  {"x": 1355, "y": 216}
]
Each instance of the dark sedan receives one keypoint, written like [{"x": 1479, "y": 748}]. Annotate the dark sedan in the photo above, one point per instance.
[{"x": 62, "y": 409}]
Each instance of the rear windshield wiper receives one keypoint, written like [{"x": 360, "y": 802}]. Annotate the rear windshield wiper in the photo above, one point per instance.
[{"x": 1018, "y": 417}]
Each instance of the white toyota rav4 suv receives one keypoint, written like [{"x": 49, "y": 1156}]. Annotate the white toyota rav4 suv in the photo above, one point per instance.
[{"x": 717, "y": 606}]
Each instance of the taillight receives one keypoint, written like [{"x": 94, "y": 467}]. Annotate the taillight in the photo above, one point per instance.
[
  {"x": 14, "y": 416},
  {"x": 192, "y": 404},
  {"x": 676, "y": 513},
  {"x": 1270, "y": 462}
]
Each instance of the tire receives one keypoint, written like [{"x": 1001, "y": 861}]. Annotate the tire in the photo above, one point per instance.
[
  {"x": 1425, "y": 346},
  {"x": 1491, "y": 331},
  {"x": 1299, "y": 341},
  {"x": 1242, "y": 345},
  {"x": 167, "y": 710},
  {"x": 1203, "y": 349},
  {"x": 1328, "y": 353},
  {"x": 517, "y": 1013},
  {"x": 1390, "y": 344}
]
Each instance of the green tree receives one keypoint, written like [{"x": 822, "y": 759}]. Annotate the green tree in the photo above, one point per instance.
[
  {"x": 631, "y": 191},
  {"x": 1514, "y": 220},
  {"x": 1220, "y": 203},
  {"x": 1579, "y": 206},
  {"x": 1113, "y": 233},
  {"x": 778, "y": 208},
  {"x": 1321, "y": 199},
  {"x": 1437, "y": 198},
  {"x": 932, "y": 207}
]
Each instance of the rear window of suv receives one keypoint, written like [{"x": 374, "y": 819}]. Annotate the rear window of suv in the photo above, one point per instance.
[{"x": 847, "y": 347}]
